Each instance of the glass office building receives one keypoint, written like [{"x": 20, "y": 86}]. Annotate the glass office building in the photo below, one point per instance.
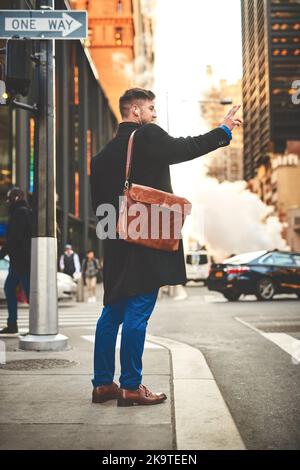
[{"x": 271, "y": 63}]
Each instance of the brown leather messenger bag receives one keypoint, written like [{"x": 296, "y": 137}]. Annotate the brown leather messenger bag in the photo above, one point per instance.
[{"x": 148, "y": 216}]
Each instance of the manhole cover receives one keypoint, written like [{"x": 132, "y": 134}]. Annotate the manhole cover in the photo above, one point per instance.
[{"x": 34, "y": 364}]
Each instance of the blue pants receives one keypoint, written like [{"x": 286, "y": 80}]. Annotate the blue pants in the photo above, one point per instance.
[
  {"x": 134, "y": 312},
  {"x": 12, "y": 281}
]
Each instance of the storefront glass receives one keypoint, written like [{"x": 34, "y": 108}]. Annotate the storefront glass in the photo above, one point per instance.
[{"x": 5, "y": 164}]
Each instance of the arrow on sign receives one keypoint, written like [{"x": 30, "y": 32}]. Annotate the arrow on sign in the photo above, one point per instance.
[{"x": 65, "y": 24}]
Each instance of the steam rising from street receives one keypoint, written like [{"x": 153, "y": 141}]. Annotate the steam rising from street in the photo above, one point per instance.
[{"x": 234, "y": 220}]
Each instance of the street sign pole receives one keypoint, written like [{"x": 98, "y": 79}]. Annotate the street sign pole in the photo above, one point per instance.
[{"x": 43, "y": 316}]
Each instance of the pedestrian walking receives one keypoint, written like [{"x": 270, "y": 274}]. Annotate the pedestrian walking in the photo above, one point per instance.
[
  {"x": 18, "y": 247},
  {"x": 89, "y": 271},
  {"x": 133, "y": 274},
  {"x": 69, "y": 262}
]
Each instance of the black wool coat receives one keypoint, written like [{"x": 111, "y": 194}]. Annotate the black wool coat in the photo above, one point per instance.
[
  {"x": 18, "y": 238},
  {"x": 133, "y": 269}
]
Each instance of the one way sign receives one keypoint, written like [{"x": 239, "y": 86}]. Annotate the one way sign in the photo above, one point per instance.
[{"x": 40, "y": 24}]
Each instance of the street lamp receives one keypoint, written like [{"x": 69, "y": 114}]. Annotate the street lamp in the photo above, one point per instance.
[
  {"x": 226, "y": 102},
  {"x": 223, "y": 102}
]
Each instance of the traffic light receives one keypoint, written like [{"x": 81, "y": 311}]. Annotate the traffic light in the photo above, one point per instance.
[
  {"x": 18, "y": 66},
  {"x": 3, "y": 94}
]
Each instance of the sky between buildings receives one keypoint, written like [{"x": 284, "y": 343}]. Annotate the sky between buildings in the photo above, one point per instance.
[{"x": 190, "y": 35}]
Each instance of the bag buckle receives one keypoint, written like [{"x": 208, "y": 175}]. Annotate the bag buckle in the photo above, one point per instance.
[{"x": 126, "y": 185}]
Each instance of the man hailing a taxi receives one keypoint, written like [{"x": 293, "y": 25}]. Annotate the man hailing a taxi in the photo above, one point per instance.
[{"x": 133, "y": 274}]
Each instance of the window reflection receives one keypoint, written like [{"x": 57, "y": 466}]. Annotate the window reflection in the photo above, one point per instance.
[
  {"x": 5, "y": 165},
  {"x": 5, "y": 160}
]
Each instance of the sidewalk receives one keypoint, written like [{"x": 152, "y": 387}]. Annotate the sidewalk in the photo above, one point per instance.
[{"x": 50, "y": 408}]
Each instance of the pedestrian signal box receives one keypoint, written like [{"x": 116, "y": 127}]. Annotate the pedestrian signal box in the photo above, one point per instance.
[{"x": 18, "y": 66}]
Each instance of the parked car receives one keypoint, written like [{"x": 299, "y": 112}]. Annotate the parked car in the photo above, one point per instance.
[
  {"x": 262, "y": 273},
  {"x": 197, "y": 265},
  {"x": 66, "y": 286}
]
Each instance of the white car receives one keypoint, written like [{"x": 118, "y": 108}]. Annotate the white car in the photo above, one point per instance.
[
  {"x": 197, "y": 265},
  {"x": 66, "y": 286}
]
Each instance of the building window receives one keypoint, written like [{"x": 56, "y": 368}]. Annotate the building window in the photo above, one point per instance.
[
  {"x": 120, "y": 6},
  {"x": 76, "y": 142},
  {"x": 76, "y": 85},
  {"x": 76, "y": 194},
  {"x": 89, "y": 151},
  {"x": 118, "y": 36}
]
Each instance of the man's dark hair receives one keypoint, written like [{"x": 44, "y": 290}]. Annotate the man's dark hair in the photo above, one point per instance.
[
  {"x": 15, "y": 194},
  {"x": 132, "y": 95}
]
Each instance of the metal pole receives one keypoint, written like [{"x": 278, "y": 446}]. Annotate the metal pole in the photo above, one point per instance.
[
  {"x": 65, "y": 121},
  {"x": 43, "y": 316},
  {"x": 22, "y": 149},
  {"x": 83, "y": 126}
]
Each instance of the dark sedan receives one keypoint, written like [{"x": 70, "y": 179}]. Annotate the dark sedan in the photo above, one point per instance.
[{"x": 262, "y": 273}]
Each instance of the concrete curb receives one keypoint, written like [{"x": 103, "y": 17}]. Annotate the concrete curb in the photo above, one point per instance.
[{"x": 202, "y": 419}]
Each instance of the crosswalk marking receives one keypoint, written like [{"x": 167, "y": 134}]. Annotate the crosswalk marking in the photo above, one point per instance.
[
  {"x": 68, "y": 316},
  {"x": 286, "y": 342},
  {"x": 80, "y": 314},
  {"x": 148, "y": 344},
  {"x": 214, "y": 298}
]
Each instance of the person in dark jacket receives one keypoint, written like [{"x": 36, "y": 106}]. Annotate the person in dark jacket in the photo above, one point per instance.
[
  {"x": 133, "y": 274},
  {"x": 18, "y": 247},
  {"x": 69, "y": 262}
]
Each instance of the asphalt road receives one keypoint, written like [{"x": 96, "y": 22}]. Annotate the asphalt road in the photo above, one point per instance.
[{"x": 253, "y": 351}]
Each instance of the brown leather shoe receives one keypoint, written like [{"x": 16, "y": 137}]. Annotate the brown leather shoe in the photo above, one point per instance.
[
  {"x": 104, "y": 393},
  {"x": 141, "y": 396}
]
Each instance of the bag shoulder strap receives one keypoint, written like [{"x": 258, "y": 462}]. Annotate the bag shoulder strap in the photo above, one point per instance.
[{"x": 129, "y": 160}]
